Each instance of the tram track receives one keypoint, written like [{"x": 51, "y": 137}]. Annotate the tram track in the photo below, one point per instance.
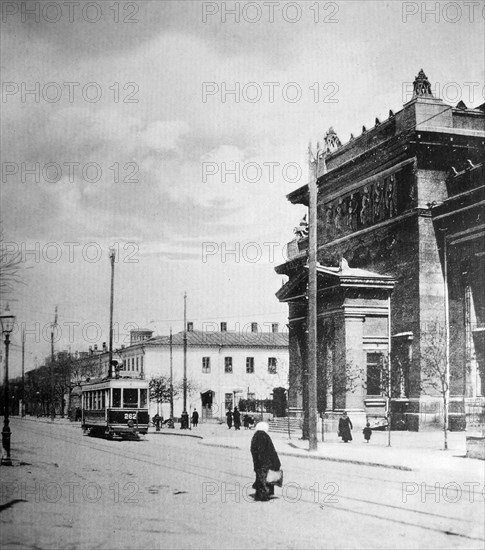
[{"x": 364, "y": 507}]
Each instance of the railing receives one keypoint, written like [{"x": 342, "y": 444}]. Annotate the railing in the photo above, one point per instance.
[{"x": 475, "y": 415}]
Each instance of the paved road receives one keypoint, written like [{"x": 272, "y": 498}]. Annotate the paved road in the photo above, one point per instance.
[{"x": 80, "y": 492}]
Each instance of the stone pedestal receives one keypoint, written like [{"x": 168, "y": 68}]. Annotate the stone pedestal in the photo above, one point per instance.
[{"x": 475, "y": 447}]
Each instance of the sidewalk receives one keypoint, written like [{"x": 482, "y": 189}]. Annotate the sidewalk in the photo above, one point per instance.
[{"x": 409, "y": 451}]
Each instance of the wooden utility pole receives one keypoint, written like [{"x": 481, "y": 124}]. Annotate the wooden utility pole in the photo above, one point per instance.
[
  {"x": 312, "y": 300},
  {"x": 53, "y": 325},
  {"x": 112, "y": 256},
  {"x": 171, "y": 375},
  {"x": 447, "y": 343},
  {"x": 185, "y": 352},
  {"x": 23, "y": 373}
]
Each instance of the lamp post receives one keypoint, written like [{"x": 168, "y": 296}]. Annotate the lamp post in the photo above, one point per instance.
[{"x": 7, "y": 321}]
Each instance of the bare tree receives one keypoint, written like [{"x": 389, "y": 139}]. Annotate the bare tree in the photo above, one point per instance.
[
  {"x": 385, "y": 379},
  {"x": 160, "y": 388},
  {"x": 435, "y": 371},
  {"x": 10, "y": 268}
]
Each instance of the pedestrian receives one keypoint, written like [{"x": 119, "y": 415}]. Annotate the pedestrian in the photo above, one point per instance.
[
  {"x": 229, "y": 419},
  {"x": 246, "y": 421},
  {"x": 344, "y": 427},
  {"x": 195, "y": 418},
  {"x": 367, "y": 431},
  {"x": 265, "y": 458},
  {"x": 184, "y": 421},
  {"x": 157, "y": 420},
  {"x": 236, "y": 415}
]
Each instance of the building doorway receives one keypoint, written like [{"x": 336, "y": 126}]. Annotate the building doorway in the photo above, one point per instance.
[{"x": 207, "y": 399}]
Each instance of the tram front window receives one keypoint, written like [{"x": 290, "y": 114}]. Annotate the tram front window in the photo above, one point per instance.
[
  {"x": 130, "y": 398},
  {"x": 143, "y": 399},
  {"x": 116, "y": 397}
]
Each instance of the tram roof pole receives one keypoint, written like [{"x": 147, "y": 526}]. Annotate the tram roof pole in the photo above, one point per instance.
[
  {"x": 112, "y": 256},
  {"x": 171, "y": 375}
]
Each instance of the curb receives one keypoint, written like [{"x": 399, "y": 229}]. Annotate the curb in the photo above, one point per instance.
[
  {"x": 350, "y": 461},
  {"x": 221, "y": 446},
  {"x": 328, "y": 458},
  {"x": 172, "y": 432},
  {"x": 60, "y": 421}
]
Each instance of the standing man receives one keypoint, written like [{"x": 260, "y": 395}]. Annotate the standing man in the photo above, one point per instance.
[
  {"x": 184, "y": 421},
  {"x": 195, "y": 418},
  {"x": 236, "y": 415},
  {"x": 345, "y": 427},
  {"x": 229, "y": 419}
]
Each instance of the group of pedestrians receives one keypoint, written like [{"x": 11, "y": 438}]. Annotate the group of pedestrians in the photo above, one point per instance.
[
  {"x": 233, "y": 416},
  {"x": 345, "y": 429}
]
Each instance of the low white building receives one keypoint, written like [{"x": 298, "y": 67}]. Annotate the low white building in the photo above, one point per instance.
[{"x": 222, "y": 367}]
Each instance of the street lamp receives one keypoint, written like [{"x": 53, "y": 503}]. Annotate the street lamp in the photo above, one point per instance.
[{"x": 7, "y": 321}]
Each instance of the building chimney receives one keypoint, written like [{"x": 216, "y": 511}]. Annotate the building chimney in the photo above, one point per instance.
[
  {"x": 254, "y": 327},
  {"x": 274, "y": 327},
  {"x": 105, "y": 347},
  {"x": 223, "y": 326},
  {"x": 95, "y": 347},
  {"x": 90, "y": 350},
  {"x": 190, "y": 326}
]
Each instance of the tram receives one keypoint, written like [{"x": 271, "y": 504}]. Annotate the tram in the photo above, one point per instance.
[{"x": 115, "y": 407}]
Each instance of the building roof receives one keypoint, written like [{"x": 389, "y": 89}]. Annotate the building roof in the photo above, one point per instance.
[
  {"x": 199, "y": 338},
  {"x": 423, "y": 113}
]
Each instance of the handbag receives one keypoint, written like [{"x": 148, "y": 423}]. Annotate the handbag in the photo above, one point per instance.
[{"x": 275, "y": 477}]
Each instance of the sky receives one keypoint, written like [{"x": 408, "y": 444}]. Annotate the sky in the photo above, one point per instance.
[{"x": 173, "y": 131}]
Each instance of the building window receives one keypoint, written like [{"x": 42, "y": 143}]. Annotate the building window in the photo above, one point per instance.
[
  {"x": 250, "y": 365},
  {"x": 137, "y": 363},
  {"x": 206, "y": 364},
  {"x": 272, "y": 365},
  {"x": 116, "y": 397},
  {"x": 228, "y": 365},
  {"x": 130, "y": 398},
  {"x": 223, "y": 327},
  {"x": 141, "y": 362},
  {"x": 228, "y": 401},
  {"x": 143, "y": 398},
  {"x": 375, "y": 362}
]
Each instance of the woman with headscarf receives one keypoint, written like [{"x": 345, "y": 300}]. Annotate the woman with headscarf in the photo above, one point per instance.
[
  {"x": 344, "y": 427},
  {"x": 265, "y": 458}
]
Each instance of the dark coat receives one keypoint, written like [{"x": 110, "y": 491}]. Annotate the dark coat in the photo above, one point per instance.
[
  {"x": 195, "y": 417},
  {"x": 236, "y": 415},
  {"x": 229, "y": 418},
  {"x": 264, "y": 454},
  {"x": 344, "y": 427},
  {"x": 265, "y": 458}
]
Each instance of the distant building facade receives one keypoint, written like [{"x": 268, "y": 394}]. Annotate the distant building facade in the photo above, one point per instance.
[
  {"x": 401, "y": 236},
  {"x": 223, "y": 367}
]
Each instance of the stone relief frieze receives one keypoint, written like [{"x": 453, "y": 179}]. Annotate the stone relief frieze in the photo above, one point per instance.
[{"x": 371, "y": 204}]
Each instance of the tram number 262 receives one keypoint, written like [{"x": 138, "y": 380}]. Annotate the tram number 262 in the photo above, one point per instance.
[{"x": 130, "y": 416}]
